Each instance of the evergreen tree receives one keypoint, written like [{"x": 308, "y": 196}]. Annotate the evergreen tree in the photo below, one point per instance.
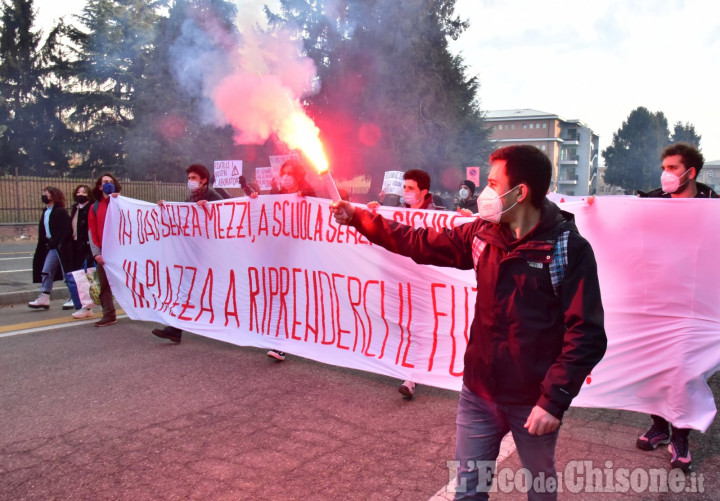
[
  {"x": 633, "y": 158},
  {"x": 170, "y": 130},
  {"x": 392, "y": 95},
  {"x": 111, "y": 57},
  {"x": 685, "y": 133},
  {"x": 33, "y": 138}
]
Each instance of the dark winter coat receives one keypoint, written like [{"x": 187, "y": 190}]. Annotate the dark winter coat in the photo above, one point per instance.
[
  {"x": 703, "y": 191},
  {"x": 81, "y": 252},
  {"x": 528, "y": 344},
  {"x": 61, "y": 240},
  {"x": 205, "y": 193},
  {"x": 470, "y": 204}
]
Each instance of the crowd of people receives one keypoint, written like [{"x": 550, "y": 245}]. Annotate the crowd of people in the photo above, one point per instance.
[{"x": 528, "y": 354}]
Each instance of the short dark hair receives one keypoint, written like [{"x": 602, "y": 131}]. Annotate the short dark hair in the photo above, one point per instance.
[
  {"x": 421, "y": 177},
  {"x": 97, "y": 192},
  {"x": 525, "y": 164},
  {"x": 58, "y": 197},
  {"x": 200, "y": 170},
  {"x": 691, "y": 156},
  {"x": 88, "y": 190}
]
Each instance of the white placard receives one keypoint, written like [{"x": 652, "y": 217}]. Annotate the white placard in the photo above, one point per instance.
[
  {"x": 393, "y": 182},
  {"x": 227, "y": 173}
]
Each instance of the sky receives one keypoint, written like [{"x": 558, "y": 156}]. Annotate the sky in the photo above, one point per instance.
[{"x": 592, "y": 61}]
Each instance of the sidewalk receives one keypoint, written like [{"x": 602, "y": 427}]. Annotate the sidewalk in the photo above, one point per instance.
[{"x": 16, "y": 287}]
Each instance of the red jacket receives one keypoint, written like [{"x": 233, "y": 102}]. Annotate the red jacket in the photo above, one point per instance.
[{"x": 96, "y": 224}]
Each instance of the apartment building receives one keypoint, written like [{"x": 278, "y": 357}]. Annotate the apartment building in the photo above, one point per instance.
[
  {"x": 710, "y": 175},
  {"x": 571, "y": 145}
]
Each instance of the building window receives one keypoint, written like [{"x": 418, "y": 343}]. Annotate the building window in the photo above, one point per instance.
[
  {"x": 500, "y": 126},
  {"x": 524, "y": 126},
  {"x": 512, "y": 126},
  {"x": 531, "y": 126},
  {"x": 709, "y": 173},
  {"x": 544, "y": 126},
  {"x": 542, "y": 147}
]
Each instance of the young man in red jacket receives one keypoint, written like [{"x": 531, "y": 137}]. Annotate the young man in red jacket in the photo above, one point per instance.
[{"x": 538, "y": 328}]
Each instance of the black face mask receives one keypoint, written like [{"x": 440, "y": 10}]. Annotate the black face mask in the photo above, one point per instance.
[
  {"x": 81, "y": 199},
  {"x": 45, "y": 199}
]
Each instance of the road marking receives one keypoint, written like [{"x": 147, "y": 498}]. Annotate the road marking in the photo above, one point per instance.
[
  {"x": 15, "y": 271},
  {"x": 13, "y": 258},
  {"x": 50, "y": 324}
]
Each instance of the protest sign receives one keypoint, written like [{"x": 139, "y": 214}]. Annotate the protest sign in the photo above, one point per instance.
[{"x": 227, "y": 173}]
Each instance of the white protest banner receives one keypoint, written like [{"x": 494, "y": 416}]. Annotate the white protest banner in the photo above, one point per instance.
[
  {"x": 263, "y": 177},
  {"x": 278, "y": 272},
  {"x": 659, "y": 277},
  {"x": 227, "y": 173},
  {"x": 393, "y": 183}
]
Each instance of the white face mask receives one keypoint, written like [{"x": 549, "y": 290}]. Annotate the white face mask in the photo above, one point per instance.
[
  {"x": 193, "y": 185},
  {"x": 490, "y": 206},
  {"x": 411, "y": 197},
  {"x": 464, "y": 193},
  {"x": 670, "y": 182},
  {"x": 287, "y": 181}
]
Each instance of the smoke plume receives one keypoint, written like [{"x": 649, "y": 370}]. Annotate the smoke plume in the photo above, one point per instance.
[{"x": 252, "y": 79}]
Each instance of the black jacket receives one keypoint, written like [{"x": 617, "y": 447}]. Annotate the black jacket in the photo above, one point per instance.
[
  {"x": 82, "y": 221},
  {"x": 528, "y": 344},
  {"x": 470, "y": 204},
  {"x": 204, "y": 193},
  {"x": 81, "y": 252},
  {"x": 61, "y": 240},
  {"x": 703, "y": 191}
]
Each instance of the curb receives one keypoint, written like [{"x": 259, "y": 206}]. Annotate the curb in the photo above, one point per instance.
[{"x": 21, "y": 297}]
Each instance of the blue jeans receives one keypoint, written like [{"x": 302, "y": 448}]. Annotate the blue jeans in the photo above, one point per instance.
[
  {"x": 481, "y": 426},
  {"x": 50, "y": 268}
]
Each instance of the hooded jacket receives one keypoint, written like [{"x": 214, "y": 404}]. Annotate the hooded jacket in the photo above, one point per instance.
[{"x": 529, "y": 344}]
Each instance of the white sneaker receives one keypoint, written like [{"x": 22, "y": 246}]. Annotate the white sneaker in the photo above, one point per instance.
[
  {"x": 69, "y": 305},
  {"x": 83, "y": 313},
  {"x": 43, "y": 301},
  {"x": 407, "y": 388}
]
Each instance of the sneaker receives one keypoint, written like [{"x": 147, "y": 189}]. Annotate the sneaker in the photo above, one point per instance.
[
  {"x": 654, "y": 437},
  {"x": 174, "y": 335},
  {"x": 277, "y": 355},
  {"x": 407, "y": 389},
  {"x": 68, "y": 305},
  {"x": 680, "y": 451},
  {"x": 105, "y": 321},
  {"x": 43, "y": 301},
  {"x": 83, "y": 313}
]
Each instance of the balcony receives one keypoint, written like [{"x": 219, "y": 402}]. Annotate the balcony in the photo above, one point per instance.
[
  {"x": 569, "y": 160},
  {"x": 568, "y": 181},
  {"x": 570, "y": 139}
]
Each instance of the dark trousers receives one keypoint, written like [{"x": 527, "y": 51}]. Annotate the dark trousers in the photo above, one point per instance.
[{"x": 106, "y": 300}]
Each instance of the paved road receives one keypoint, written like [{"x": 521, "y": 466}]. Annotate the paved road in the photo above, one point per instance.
[{"x": 115, "y": 413}]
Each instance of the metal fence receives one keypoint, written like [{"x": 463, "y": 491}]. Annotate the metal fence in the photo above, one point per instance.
[{"x": 20, "y": 195}]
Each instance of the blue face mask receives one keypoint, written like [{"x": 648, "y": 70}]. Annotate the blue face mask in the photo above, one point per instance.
[{"x": 108, "y": 188}]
